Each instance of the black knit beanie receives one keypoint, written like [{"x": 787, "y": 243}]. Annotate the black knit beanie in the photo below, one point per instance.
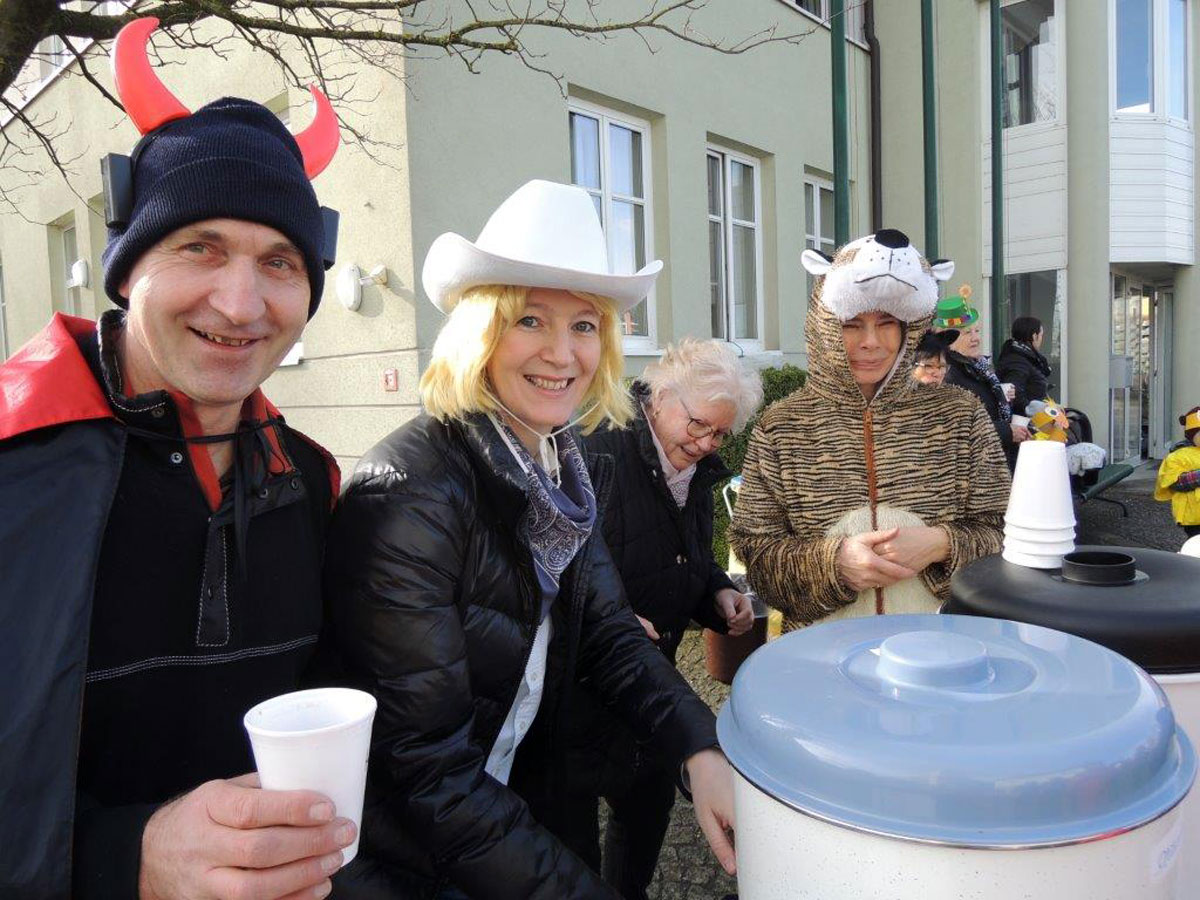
[{"x": 231, "y": 159}]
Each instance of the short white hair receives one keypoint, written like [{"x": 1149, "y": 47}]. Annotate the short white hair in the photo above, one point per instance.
[{"x": 707, "y": 372}]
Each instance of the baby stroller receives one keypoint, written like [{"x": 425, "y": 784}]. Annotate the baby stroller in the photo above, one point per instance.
[
  {"x": 1079, "y": 431},
  {"x": 1085, "y": 460}
]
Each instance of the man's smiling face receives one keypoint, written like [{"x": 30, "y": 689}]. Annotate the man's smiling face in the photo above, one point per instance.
[{"x": 213, "y": 307}]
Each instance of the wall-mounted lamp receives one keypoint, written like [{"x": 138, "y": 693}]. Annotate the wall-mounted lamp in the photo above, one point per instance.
[
  {"x": 350, "y": 282},
  {"x": 81, "y": 274}
]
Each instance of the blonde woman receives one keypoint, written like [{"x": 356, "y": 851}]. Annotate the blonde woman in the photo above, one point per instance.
[{"x": 470, "y": 586}]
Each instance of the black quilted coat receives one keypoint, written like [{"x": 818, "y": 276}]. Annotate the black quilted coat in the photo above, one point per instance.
[
  {"x": 434, "y": 603},
  {"x": 960, "y": 373},
  {"x": 664, "y": 553}
]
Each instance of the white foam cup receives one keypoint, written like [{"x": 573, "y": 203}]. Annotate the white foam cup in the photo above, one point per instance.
[
  {"x": 316, "y": 740},
  {"x": 1039, "y": 535},
  {"x": 1036, "y": 527},
  {"x": 1039, "y": 548},
  {"x": 1041, "y": 487},
  {"x": 1032, "y": 560}
]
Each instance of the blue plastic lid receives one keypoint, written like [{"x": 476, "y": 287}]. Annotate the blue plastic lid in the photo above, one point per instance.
[{"x": 956, "y": 730}]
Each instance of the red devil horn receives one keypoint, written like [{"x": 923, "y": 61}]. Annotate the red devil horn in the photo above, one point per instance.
[
  {"x": 319, "y": 141},
  {"x": 146, "y": 100}
]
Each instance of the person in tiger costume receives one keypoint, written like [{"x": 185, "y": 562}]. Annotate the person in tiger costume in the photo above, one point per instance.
[{"x": 864, "y": 491}]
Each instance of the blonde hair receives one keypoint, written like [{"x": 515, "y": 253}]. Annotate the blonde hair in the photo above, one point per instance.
[
  {"x": 708, "y": 371},
  {"x": 455, "y": 382}
]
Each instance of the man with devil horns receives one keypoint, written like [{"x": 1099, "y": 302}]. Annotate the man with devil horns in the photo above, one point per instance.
[{"x": 162, "y": 526}]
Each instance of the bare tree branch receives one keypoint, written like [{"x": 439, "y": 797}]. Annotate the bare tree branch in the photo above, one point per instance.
[{"x": 327, "y": 41}]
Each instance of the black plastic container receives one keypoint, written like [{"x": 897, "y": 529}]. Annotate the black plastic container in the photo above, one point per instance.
[{"x": 1144, "y": 604}]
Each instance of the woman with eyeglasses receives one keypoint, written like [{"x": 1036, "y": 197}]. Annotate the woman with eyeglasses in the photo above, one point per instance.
[
  {"x": 658, "y": 523},
  {"x": 929, "y": 360}
]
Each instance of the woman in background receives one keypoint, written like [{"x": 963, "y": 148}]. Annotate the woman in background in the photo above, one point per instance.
[
  {"x": 971, "y": 370},
  {"x": 1021, "y": 364},
  {"x": 658, "y": 523},
  {"x": 929, "y": 361}
]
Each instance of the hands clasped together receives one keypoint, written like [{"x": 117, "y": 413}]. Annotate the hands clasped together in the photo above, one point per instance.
[{"x": 878, "y": 559}]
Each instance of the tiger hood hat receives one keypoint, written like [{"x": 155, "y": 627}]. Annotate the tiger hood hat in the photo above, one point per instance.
[{"x": 880, "y": 272}]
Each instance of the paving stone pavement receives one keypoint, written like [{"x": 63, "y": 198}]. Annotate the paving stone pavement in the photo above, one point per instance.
[{"x": 688, "y": 871}]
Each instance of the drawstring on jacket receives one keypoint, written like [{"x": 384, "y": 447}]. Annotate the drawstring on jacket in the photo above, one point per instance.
[{"x": 252, "y": 457}]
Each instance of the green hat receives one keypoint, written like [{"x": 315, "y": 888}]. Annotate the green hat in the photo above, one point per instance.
[{"x": 955, "y": 312}]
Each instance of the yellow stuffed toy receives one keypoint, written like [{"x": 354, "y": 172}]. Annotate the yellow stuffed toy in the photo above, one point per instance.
[{"x": 1049, "y": 422}]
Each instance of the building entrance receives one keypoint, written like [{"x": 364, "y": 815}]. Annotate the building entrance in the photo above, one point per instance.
[{"x": 1139, "y": 370}]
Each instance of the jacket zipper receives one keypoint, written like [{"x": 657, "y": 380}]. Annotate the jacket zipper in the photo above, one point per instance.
[{"x": 872, "y": 496}]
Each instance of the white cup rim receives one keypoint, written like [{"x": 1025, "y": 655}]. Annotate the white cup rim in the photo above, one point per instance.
[
  {"x": 364, "y": 714},
  {"x": 1042, "y": 537},
  {"x": 1040, "y": 526}
]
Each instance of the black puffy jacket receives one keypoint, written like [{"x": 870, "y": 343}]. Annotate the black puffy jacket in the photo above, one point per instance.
[
  {"x": 434, "y": 604},
  {"x": 960, "y": 373},
  {"x": 1026, "y": 370},
  {"x": 664, "y": 553}
]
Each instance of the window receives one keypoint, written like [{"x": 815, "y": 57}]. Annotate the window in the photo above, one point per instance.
[
  {"x": 52, "y": 56},
  {"x": 818, "y": 220},
  {"x": 1030, "y": 62},
  {"x": 72, "y": 292},
  {"x": 734, "y": 246},
  {"x": 855, "y": 12},
  {"x": 610, "y": 159},
  {"x": 4, "y": 349},
  {"x": 1151, "y": 49}
]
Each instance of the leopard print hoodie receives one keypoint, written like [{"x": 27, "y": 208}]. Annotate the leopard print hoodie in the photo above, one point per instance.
[{"x": 824, "y": 463}]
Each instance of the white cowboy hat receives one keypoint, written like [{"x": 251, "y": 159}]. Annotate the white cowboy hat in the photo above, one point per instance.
[{"x": 544, "y": 235}]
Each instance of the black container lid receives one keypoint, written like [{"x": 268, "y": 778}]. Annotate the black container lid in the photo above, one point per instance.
[{"x": 1154, "y": 620}]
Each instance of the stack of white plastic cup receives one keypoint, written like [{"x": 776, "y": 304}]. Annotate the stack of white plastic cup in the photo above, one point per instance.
[
  {"x": 316, "y": 740},
  {"x": 1039, "y": 526}
]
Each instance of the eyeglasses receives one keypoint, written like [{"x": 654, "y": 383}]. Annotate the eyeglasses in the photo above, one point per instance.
[{"x": 699, "y": 429}]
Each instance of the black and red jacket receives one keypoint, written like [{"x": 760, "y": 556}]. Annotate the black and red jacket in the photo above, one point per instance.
[{"x": 90, "y": 532}]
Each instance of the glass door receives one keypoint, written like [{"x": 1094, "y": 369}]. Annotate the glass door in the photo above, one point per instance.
[
  {"x": 1131, "y": 367},
  {"x": 1162, "y": 422},
  {"x": 1118, "y": 370}
]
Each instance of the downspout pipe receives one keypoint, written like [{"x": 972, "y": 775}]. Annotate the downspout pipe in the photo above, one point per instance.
[
  {"x": 999, "y": 283},
  {"x": 876, "y": 117},
  {"x": 841, "y": 125},
  {"x": 929, "y": 99}
]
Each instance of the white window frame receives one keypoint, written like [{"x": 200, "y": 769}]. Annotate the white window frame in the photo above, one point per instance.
[
  {"x": 1057, "y": 36},
  {"x": 855, "y": 16},
  {"x": 53, "y": 57},
  {"x": 634, "y": 344},
  {"x": 727, "y": 156},
  {"x": 72, "y": 292},
  {"x": 4, "y": 349},
  {"x": 818, "y": 185},
  {"x": 1159, "y": 104}
]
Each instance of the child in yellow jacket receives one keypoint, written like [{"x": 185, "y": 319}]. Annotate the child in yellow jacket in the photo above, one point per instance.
[{"x": 1179, "y": 476}]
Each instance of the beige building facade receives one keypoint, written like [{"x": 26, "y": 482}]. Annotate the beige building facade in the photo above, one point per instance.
[{"x": 722, "y": 166}]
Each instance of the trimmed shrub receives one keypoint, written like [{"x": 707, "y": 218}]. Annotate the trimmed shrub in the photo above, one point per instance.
[{"x": 777, "y": 384}]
